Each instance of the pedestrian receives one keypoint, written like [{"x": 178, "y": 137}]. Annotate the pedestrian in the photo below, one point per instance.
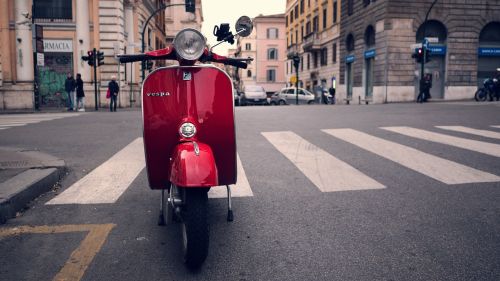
[
  {"x": 70, "y": 86},
  {"x": 332, "y": 93},
  {"x": 428, "y": 86},
  {"x": 324, "y": 95},
  {"x": 113, "y": 89},
  {"x": 80, "y": 95}
]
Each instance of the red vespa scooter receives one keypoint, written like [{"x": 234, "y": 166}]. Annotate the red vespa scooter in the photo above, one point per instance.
[{"x": 189, "y": 132}]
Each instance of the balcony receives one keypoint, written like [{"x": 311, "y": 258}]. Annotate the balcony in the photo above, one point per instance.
[
  {"x": 311, "y": 42},
  {"x": 291, "y": 50}
]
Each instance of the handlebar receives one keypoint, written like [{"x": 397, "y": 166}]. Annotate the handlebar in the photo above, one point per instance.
[{"x": 133, "y": 58}]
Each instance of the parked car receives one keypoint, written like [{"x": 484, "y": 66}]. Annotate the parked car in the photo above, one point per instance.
[
  {"x": 288, "y": 96},
  {"x": 275, "y": 98},
  {"x": 253, "y": 94}
]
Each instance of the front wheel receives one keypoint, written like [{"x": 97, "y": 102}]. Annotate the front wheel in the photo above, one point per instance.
[
  {"x": 481, "y": 95},
  {"x": 195, "y": 229}
]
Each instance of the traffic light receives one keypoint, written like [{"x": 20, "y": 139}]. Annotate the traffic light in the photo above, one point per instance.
[
  {"x": 100, "y": 58},
  {"x": 418, "y": 55},
  {"x": 90, "y": 59},
  {"x": 296, "y": 61},
  {"x": 190, "y": 6}
]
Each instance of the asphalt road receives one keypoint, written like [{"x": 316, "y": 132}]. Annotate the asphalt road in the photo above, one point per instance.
[{"x": 414, "y": 228}]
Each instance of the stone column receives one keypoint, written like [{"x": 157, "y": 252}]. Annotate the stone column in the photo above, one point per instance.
[
  {"x": 24, "y": 46},
  {"x": 82, "y": 38},
  {"x": 129, "y": 27}
]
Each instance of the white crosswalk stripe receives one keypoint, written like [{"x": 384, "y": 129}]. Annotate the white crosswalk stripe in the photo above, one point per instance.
[
  {"x": 317, "y": 165},
  {"x": 240, "y": 189},
  {"x": 477, "y": 146},
  {"x": 495, "y": 126},
  {"x": 106, "y": 183},
  {"x": 462, "y": 129},
  {"x": 440, "y": 169},
  {"x": 17, "y": 120}
]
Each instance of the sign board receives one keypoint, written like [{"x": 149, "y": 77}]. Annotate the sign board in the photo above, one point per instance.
[
  {"x": 350, "y": 59},
  {"x": 293, "y": 79},
  {"x": 370, "y": 54},
  {"x": 432, "y": 39},
  {"x": 58, "y": 46},
  {"x": 437, "y": 50},
  {"x": 40, "y": 59},
  {"x": 488, "y": 52},
  {"x": 415, "y": 46}
]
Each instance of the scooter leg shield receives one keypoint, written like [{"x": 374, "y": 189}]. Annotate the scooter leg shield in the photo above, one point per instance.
[{"x": 193, "y": 165}]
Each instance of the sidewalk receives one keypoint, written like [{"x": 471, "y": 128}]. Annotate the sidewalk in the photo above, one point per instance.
[{"x": 25, "y": 175}]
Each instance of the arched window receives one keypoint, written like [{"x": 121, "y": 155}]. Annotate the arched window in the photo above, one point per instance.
[
  {"x": 370, "y": 37},
  {"x": 249, "y": 73},
  {"x": 272, "y": 54},
  {"x": 349, "y": 43},
  {"x": 433, "y": 28},
  {"x": 490, "y": 34}
]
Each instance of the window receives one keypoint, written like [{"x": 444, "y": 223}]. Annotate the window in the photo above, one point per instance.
[
  {"x": 335, "y": 11},
  {"x": 308, "y": 61},
  {"x": 53, "y": 9},
  {"x": 301, "y": 7},
  {"x": 296, "y": 10},
  {"x": 366, "y": 3},
  {"x": 302, "y": 33},
  {"x": 350, "y": 7},
  {"x": 315, "y": 24},
  {"x": 272, "y": 54},
  {"x": 324, "y": 18},
  {"x": 286, "y": 21},
  {"x": 297, "y": 36},
  {"x": 370, "y": 36},
  {"x": 291, "y": 16},
  {"x": 349, "y": 43},
  {"x": 249, "y": 73},
  {"x": 324, "y": 56},
  {"x": 308, "y": 28},
  {"x": 271, "y": 75},
  {"x": 302, "y": 63},
  {"x": 272, "y": 33},
  {"x": 334, "y": 53},
  {"x": 315, "y": 59},
  {"x": 248, "y": 46}
]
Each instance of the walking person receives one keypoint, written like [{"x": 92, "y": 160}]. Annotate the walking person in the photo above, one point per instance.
[
  {"x": 80, "y": 95},
  {"x": 332, "y": 93},
  {"x": 70, "y": 86},
  {"x": 113, "y": 89}
]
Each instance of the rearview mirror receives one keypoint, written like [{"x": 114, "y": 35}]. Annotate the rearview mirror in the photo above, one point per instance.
[{"x": 244, "y": 26}]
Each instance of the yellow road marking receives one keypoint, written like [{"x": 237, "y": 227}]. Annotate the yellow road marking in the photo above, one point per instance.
[{"x": 80, "y": 259}]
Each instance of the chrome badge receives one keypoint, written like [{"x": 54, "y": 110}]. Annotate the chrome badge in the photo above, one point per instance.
[
  {"x": 186, "y": 75},
  {"x": 158, "y": 94}
]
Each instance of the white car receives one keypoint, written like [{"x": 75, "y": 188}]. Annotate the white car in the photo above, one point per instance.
[
  {"x": 288, "y": 96},
  {"x": 253, "y": 94}
]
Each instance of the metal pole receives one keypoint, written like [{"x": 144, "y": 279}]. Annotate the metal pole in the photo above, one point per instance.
[
  {"x": 95, "y": 77},
  {"x": 297, "y": 84},
  {"x": 35, "y": 68},
  {"x": 424, "y": 49},
  {"x": 143, "y": 44}
]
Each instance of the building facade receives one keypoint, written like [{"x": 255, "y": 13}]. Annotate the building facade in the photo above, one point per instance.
[
  {"x": 267, "y": 46},
  {"x": 70, "y": 29},
  {"x": 379, "y": 37},
  {"x": 313, "y": 30}
]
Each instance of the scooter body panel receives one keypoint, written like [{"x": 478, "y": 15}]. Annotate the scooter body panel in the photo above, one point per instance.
[
  {"x": 202, "y": 95},
  {"x": 193, "y": 165}
]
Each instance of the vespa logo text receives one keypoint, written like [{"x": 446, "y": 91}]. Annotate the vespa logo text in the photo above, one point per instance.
[{"x": 158, "y": 94}]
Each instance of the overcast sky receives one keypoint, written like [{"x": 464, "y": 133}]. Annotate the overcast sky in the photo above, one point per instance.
[{"x": 216, "y": 12}]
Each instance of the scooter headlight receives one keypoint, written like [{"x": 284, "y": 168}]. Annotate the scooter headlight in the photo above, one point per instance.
[
  {"x": 187, "y": 130},
  {"x": 189, "y": 44}
]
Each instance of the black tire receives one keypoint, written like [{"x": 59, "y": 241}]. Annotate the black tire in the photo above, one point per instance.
[
  {"x": 481, "y": 95},
  {"x": 282, "y": 102},
  {"x": 195, "y": 229},
  {"x": 310, "y": 102}
]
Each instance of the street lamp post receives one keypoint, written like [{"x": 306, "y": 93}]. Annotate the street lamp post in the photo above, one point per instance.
[{"x": 425, "y": 44}]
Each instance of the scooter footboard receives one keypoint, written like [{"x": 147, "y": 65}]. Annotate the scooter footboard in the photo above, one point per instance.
[{"x": 193, "y": 165}]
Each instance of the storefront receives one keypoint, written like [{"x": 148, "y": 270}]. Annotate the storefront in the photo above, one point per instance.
[{"x": 58, "y": 62}]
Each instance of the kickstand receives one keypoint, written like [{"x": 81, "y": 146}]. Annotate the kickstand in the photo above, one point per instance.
[{"x": 229, "y": 207}]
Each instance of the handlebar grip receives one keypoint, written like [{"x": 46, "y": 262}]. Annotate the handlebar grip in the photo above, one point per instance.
[
  {"x": 133, "y": 58},
  {"x": 237, "y": 63}
]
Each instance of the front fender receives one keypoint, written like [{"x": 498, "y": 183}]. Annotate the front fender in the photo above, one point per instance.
[{"x": 193, "y": 165}]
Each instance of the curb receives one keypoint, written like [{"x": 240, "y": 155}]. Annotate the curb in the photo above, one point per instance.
[{"x": 25, "y": 187}]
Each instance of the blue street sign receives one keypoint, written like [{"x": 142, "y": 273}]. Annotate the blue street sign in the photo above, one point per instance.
[
  {"x": 488, "y": 52},
  {"x": 350, "y": 59},
  {"x": 436, "y": 50},
  {"x": 425, "y": 43},
  {"x": 370, "y": 54}
]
